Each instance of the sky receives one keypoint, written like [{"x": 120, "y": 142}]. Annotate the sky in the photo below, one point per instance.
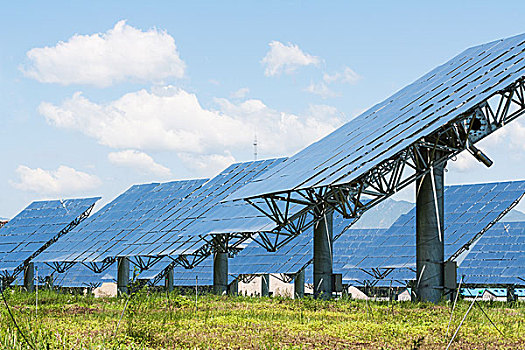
[{"x": 97, "y": 96}]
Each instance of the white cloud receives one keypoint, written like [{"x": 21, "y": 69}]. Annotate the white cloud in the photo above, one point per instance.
[
  {"x": 346, "y": 76},
  {"x": 102, "y": 59},
  {"x": 172, "y": 119},
  {"x": 206, "y": 165},
  {"x": 239, "y": 94},
  {"x": 286, "y": 58},
  {"x": 63, "y": 181},
  {"x": 464, "y": 162},
  {"x": 321, "y": 89},
  {"x": 139, "y": 161}
]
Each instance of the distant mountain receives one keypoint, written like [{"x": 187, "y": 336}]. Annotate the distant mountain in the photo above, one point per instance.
[
  {"x": 514, "y": 215},
  {"x": 384, "y": 214},
  {"x": 3, "y": 219}
]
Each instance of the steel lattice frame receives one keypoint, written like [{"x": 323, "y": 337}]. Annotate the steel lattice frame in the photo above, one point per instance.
[{"x": 9, "y": 278}]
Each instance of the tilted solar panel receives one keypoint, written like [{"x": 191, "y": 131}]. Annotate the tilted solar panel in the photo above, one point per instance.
[
  {"x": 498, "y": 257},
  {"x": 469, "y": 210},
  {"x": 179, "y": 230},
  {"x": 391, "y": 126},
  {"x": 118, "y": 221},
  {"x": 27, "y": 234}
]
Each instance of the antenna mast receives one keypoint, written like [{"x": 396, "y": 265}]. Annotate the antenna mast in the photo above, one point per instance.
[{"x": 255, "y": 147}]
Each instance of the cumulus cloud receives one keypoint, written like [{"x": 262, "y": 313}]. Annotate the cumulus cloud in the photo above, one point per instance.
[
  {"x": 172, "y": 119},
  {"x": 464, "y": 162},
  {"x": 239, "y": 94},
  {"x": 102, "y": 59},
  {"x": 139, "y": 161},
  {"x": 206, "y": 164},
  {"x": 321, "y": 89},
  {"x": 347, "y": 76},
  {"x": 286, "y": 58},
  {"x": 63, "y": 181}
]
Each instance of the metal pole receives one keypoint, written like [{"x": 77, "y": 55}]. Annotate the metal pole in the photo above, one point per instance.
[
  {"x": 323, "y": 259},
  {"x": 265, "y": 285},
  {"x": 168, "y": 282},
  {"x": 233, "y": 289},
  {"x": 29, "y": 277},
  {"x": 429, "y": 235},
  {"x": 122, "y": 275},
  {"x": 298, "y": 284},
  {"x": 220, "y": 272}
]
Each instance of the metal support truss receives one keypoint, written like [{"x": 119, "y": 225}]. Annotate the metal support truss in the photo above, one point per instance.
[
  {"x": 20, "y": 268},
  {"x": 391, "y": 175}
]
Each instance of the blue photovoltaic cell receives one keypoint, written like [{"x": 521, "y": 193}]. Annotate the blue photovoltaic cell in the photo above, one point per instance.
[
  {"x": 498, "y": 257},
  {"x": 117, "y": 222},
  {"x": 394, "y": 124},
  {"x": 78, "y": 276},
  {"x": 32, "y": 228},
  {"x": 468, "y": 210}
]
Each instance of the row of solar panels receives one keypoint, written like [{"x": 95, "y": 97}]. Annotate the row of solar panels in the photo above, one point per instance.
[{"x": 186, "y": 210}]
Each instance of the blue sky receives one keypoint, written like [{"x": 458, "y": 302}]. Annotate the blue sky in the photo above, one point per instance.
[{"x": 132, "y": 92}]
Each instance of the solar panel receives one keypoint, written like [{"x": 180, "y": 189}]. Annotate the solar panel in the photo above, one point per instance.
[
  {"x": 78, "y": 276},
  {"x": 387, "y": 256},
  {"x": 117, "y": 221},
  {"x": 498, "y": 257},
  {"x": 179, "y": 228},
  {"x": 391, "y": 126},
  {"x": 38, "y": 225}
]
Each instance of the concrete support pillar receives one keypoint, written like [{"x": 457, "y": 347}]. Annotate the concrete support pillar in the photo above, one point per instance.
[
  {"x": 265, "y": 285},
  {"x": 122, "y": 275},
  {"x": 29, "y": 277},
  {"x": 323, "y": 255},
  {"x": 168, "y": 281},
  {"x": 298, "y": 284},
  {"x": 430, "y": 236},
  {"x": 233, "y": 288},
  {"x": 220, "y": 273}
]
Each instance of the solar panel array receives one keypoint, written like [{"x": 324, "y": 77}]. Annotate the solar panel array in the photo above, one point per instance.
[
  {"x": 392, "y": 125},
  {"x": 118, "y": 222},
  {"x": 387, "y": 256},
  {"x": 179, "y": 230},
  {"x": 469, "y": 209},
  {"x": 497, "y": 257},
  {"x": 35, "y": 226}
]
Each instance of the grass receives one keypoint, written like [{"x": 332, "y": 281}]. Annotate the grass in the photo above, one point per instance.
[{"x": 160, "y": 321}]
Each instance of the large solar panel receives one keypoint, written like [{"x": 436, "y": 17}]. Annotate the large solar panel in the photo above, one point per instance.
[
  {"x": 387, "y": 256},
  {"x": 180, "y": 230},
  {"x": 115, "y": 223},
  {"x": 391, "y": 126},
  {"x": 498, "y": 257},
  {"x": 24, "y": 237}
]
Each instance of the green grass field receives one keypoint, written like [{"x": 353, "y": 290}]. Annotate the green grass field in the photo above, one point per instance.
[{"x": 160, "y": 321}]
